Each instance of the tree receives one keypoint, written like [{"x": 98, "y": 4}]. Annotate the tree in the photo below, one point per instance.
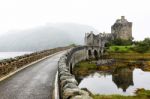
[
  {"x": 119, "y": 42},
  {"x": 142, "y": 46}
]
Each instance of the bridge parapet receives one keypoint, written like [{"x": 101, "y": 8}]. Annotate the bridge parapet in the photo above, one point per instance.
[
  {"x": 12, "y": 64},
  {"x": 68, "y": 85}
]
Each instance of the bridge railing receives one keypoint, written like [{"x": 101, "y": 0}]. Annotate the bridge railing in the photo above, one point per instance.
[{"x": 12, "y": 64}]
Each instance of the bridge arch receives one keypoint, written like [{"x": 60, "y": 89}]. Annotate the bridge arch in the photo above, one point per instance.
[
  {"x": 89, "y": 53},
  {"x": 71, "y": 71},
  {"x": 72, "y": 57},
  {"x": 96, "y": 55}
]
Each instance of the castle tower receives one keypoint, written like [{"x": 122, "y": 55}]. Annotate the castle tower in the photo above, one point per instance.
[
  {"x": 90, "y": 39},
  {"x": 122, "y": 29}
]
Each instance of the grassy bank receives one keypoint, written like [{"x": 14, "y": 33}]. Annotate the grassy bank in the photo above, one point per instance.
[
  {"x": 120, "y": 49},
  {"x": 127, "y": 49},
  {"x": 129, "y": 56},
  {"x": 84, "y": 68},
  {"x": 125, "y": 59},
  {"x": 140, "y": 94}
]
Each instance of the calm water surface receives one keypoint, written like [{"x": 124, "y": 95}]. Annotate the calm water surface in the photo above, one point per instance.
[
  {"x": 4, "y": 55},
  {"x": 123, "y": 81}
]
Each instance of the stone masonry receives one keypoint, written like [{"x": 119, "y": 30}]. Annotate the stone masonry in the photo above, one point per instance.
[
  {"x": 12, "y": 64},
  {"x": 68, "y": 85},
  {"x": 122, "y": 29}
]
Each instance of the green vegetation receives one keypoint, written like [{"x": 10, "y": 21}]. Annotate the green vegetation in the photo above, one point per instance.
[
  {"x": 73, "y": 45},
  {"x": 140, "y": 94},
  {"x": 129, "y": 56},
  {"x": 84, "y": 68},
  {"x": 134, "y": 59},
  {"x": 129, "y": 53},
  {"x": 119, "y": 42},
  {"x": 121, "y": 49},
  {"x": 142, "y": 46},
  {"x": 124, "y": 46}
]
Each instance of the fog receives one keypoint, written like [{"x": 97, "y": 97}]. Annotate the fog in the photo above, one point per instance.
[
  {"x": 45, "y": 37},
  {"x": 24, "y": 15}
]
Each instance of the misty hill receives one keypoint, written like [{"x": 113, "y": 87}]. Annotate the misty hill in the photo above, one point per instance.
[{"x": 49, "y": 36}]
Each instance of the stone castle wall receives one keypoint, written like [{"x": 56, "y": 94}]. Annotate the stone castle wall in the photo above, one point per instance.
[{"x": 122, "y": 29}]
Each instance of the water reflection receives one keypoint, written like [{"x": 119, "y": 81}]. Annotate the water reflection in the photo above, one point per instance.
[
  {"x": 123, "y": 78},
  {"x": 122, "y": 81}
]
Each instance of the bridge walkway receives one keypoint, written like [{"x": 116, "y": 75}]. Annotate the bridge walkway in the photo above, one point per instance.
[{"x": 33, "y": 82}]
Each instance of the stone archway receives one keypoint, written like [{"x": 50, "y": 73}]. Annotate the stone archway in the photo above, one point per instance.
[
  {"x": 71, "y": 71},
  {"x": 96, "y": 54},
  {"x": 89, "y": 53}
]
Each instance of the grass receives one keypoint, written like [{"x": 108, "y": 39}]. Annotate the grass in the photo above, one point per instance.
[
  {"x": 85, "y": 67},
  {"x": 123, "y": 49},
  {"x": 140, "y": 94},
  {"x": 129, "y": 56},
  {"x": 118, "y": 97},
  {"x": 120, "y": 49}
]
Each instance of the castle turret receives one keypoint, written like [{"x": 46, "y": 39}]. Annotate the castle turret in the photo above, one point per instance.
[{"x": 122, "y": 29}]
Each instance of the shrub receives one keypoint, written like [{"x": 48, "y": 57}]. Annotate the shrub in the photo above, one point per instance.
[{"x": 143, "y": 46}]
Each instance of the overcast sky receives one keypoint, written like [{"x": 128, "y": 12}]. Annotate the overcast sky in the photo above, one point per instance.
[{"x": 100, "y": 14}]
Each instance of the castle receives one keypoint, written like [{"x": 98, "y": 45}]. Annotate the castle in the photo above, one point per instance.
[{"x": 121, "y": 29}]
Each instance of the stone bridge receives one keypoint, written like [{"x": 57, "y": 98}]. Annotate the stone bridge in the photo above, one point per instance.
[
  {"x": 33, "y": 76},
  {"x": 80, "y": 53},
  {"x": 68, "y": 86}
]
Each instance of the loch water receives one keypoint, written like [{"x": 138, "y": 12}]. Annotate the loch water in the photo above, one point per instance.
[
  {"x": 123, "y": 81},
  {"x": 5, "y": 55}
]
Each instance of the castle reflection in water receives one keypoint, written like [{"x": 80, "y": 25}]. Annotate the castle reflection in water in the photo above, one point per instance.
[{"x": 123, "y": 78}]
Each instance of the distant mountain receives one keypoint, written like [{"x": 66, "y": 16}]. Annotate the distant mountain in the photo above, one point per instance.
[{"x": 48, "y": 36}]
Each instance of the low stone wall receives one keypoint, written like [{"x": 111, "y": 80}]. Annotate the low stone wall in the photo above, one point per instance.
[
  {"x": 68, "y": 86},
  {"x": 12, "y": 64}
]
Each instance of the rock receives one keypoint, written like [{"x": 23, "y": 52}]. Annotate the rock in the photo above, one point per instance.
[
  {"x": 75, "y": 93},
  {"x": 64, "y": 82},
  {"x": 70, "y": 92},
  {"x": 64, "y": 73},
  {"x": 70, "y": 85},
  {"x": 66, "y": 77},
  {"x": 85, "y": 89},
  {"x": 63, "y": 68},
  {"x": 81, "y": 97}
]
